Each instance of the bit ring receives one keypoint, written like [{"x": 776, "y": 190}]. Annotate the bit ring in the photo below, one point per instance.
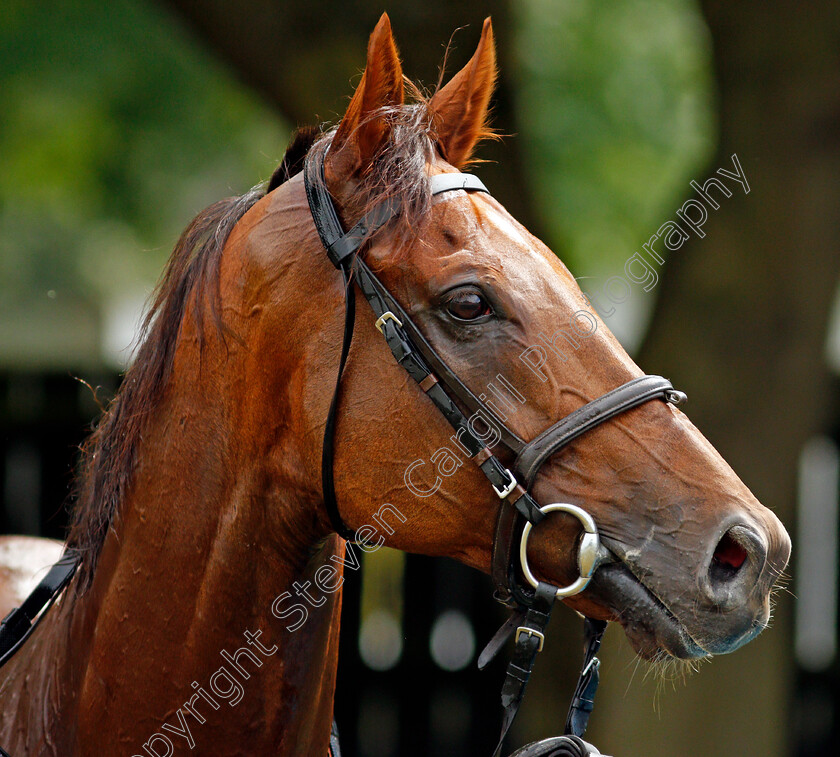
[{"x": 589, "y": 552}]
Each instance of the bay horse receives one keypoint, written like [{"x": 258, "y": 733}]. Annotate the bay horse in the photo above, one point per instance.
[{"x": 193, "y": 621}]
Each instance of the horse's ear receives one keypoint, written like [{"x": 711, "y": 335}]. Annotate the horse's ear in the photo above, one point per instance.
[
  {"x": 361, "y": 133},
  {"x": 460, "y": 108}
]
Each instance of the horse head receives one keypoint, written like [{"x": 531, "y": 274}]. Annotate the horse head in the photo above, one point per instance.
[{"x": 692, "y": 554}]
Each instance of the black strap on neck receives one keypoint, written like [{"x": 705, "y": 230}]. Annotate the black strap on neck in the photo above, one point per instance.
[
  {"x": 339, "y": 247},
  {"x": 19, "y": 624},
  {"x": 328, "y": 447}
]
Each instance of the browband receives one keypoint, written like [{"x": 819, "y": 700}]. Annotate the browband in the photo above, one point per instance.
[
  {"x": 447, "y": 182},
  {"x": 340, "y": 244}
]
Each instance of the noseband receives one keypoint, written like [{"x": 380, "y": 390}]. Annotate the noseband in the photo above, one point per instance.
[{"x": 519, "y": 512}]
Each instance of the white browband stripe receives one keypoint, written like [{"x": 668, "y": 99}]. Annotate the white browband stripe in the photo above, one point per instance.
[{"x": 446, "y": 182}]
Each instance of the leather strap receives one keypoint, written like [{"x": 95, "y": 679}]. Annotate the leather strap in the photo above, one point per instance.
[
  {"x": 592, "y": 414},
  {"x": 530, "y": 628},
  {"x": 321, "y": 205},
  {"x": 504, "y": 539},
  {"x": 584, "y": 697},
  {"x": 446, "y": 182},
  {"x": 530, "y": 637},
  {"x": 328, "y": 447},
  {"x": 494, "y": 646},
  {"x": 19, "y": 624}
]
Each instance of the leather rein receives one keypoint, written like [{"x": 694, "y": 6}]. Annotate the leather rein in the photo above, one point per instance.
[
  {"x": 519, "y": 512},
  {"x": 532, "y": 601}
]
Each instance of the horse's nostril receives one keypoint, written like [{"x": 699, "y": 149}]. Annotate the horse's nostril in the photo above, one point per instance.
[
  {"x": 727, "y": 559},
  {"x": 735, "y": 568}
]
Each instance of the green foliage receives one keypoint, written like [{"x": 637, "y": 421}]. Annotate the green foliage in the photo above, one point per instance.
[
  {"x": 116, "y": 128},
  {"x": 616, "y": 115}
]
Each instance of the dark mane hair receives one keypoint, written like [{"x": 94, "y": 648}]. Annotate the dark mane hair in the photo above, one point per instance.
[{"x": 109, "y": 455}]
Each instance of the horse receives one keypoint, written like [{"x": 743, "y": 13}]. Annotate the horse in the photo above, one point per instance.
[{"x": 205, "y": 610}]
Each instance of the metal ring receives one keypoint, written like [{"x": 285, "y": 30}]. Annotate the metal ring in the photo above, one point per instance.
[{"x": 588, "y": 554}]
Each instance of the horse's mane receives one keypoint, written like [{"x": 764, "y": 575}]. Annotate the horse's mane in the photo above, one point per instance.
[{"x": 109, "y": 455}]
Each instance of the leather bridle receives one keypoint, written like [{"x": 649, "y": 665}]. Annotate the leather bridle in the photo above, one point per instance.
[
  {"x": 532, "y": 601},
  {"x": 519, "y": 512}
]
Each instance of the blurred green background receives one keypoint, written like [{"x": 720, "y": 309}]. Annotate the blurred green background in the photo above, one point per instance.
[
  {"x": 119, "y": 121},
  {"x": 118, "y": 126}
]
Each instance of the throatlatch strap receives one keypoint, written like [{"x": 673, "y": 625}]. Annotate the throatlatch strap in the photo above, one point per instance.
[{"x": 328, "y": 448}]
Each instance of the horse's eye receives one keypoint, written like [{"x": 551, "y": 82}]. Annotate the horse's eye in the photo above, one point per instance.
[{"x": 468, "y": 306}]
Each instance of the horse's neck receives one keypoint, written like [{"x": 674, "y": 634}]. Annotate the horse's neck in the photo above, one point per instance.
[{"x": 186, "y": 621}]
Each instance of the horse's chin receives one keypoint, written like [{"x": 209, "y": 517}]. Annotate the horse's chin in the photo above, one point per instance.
[{"x": 650, "y": 626}]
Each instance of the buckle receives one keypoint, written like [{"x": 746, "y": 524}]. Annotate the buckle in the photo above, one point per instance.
[
  {"x": 386, "y": 316},
  {"x": 509, "y": 488},
  {"x": 530, "y": 632},
  {"x": 593, "y": 663}
]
